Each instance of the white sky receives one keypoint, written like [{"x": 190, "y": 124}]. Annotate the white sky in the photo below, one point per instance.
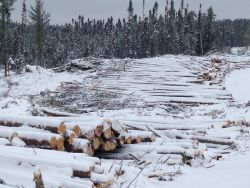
[{"x": 64, "y": 10}]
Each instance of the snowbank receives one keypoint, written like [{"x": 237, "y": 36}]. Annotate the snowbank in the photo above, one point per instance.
[{"x": 238, "y": 84}]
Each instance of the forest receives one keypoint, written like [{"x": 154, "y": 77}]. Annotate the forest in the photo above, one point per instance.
[{"x": 177, "y": 31}]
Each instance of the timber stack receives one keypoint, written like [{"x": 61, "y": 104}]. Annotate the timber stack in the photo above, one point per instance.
[{"x": 71, "y": 142}]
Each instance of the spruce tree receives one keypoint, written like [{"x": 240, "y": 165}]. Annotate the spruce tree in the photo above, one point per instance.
[
  {"x": 209, "y": 31},
  {"x": 199, "y": 44},
  {"x": 5, "y": 11},
  {"x": 40, "y": 20}
]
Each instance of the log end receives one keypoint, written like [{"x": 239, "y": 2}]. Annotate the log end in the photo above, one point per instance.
[
  {"x": 60, "y": 144},
  {"x": 77, "y": 130},
  {"x": 53, "y": 142},
  {"x": 61, "y": 128}
]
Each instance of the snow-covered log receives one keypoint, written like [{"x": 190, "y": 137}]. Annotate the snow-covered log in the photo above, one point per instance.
[
  {"x": 69, "y": 136},
  {"x": 73, "y": 182},
  {"x": 107, "y": 131},
  {"x": 43, "y": 140},
  {"x": 102, "y": 180},
  {"x": 4, "y": 142},
  {"x": 54, "y": 113},
  {"x": 33, "y": 138},
  {"x": 204, "y": 139},
  {"x": 79, "y": 145},
  {"x": 38, "y": 179},
  {"x": 16, "y": 141},
  {"x": 82, "y": 170},
  {"x": 57, "y": 155},
  {"x": 136, "y": 137},
  {"x": 52, "y": 125}
]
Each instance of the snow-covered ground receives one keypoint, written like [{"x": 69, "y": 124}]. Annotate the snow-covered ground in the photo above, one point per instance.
[
  {"x": 238, "y": 84},
  {"x": 161, "y": 92},
  {"x": 17, "y": 89}
]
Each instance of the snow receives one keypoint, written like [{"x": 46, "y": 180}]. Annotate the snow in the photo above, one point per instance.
[
  {"x": 230, "y": 173},
  {"x": 237, "y": 84},
  {"x": 16, "y": 89},
  {"x": 153, "y": 85}
]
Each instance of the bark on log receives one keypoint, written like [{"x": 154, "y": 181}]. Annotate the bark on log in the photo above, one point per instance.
[
  {"x": 79, "y": 145},
  {"x": 121, "y": 140},
  {"x": 69, "y": 136},
  {"x": 43, "y": 140},
  {"x": 32, "y": 138},
  {"x": 136, "y": 137},
  {"x": 52, "y": 125}
]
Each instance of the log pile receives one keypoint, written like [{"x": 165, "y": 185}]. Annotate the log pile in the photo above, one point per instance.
[
  {"x": 70, "y": 141},
  {"x": 76, "y": 134},
  {"x": 179, "y": 142},
  {"x": 73, "y": 141}
]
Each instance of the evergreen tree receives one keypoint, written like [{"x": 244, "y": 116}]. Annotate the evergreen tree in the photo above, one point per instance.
[
  {"x": 40, "y": 20},
  {"x": 5, "y": 11},
  {"x": 199, "y": 44},
  {"x": 209, "y": 31}
]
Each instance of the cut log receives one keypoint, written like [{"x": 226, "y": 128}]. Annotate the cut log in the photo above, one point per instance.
[
  {"x": 42, "y": 140},
  {"x": 113, "y": 145},
  {"x": 98, "y": 169},
  {"x": 96, "y": 143},
  {"x": 38, "y": 179},
  {"x": 16, "y": 141},
  {"x": 53, "y": 113},
  {"x": 82, "y": 170},
  {"x": 107, "y": 131},
  {"x": 69, "y": 136},
  {"x": 8, "y": 133},
  {"x": 136, "y": 137},
  {"x": 121, "y": 140},
  {"x": 33, "y": 138},
  {"x": 4, "y": 142},
  {"x": 98, "y": 130},
  {"x": 205, "y": 139},
  {"x": 102, "y": 180},
  {"x": 72, "y": 182},
  {"x": 106, "y": 146},
  {"x": 169, "y": 159},
  {"x": 91, "y": 131},
  {"x": 117, "y": 127},
  {"x": 146, "y": 136},
  {"x": 79, "y": 145},
  {"x": 52, "y": 125},
  {"x": 53, "y": 155}
]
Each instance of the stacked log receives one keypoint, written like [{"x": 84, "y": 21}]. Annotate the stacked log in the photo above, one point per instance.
[
  {"x": 107, "y": 135},
  {"x": 72, "y": 134},
  {"x": 136, "y": 137},
  {"x": 52, "y": 125},
  {"x": 30, "y": 140}
]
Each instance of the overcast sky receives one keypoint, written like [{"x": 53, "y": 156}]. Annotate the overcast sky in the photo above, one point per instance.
[{"x": 64, "y": 10}]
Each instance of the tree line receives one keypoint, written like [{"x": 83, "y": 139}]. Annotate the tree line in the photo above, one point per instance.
[{"x": 177, "y": 31}]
